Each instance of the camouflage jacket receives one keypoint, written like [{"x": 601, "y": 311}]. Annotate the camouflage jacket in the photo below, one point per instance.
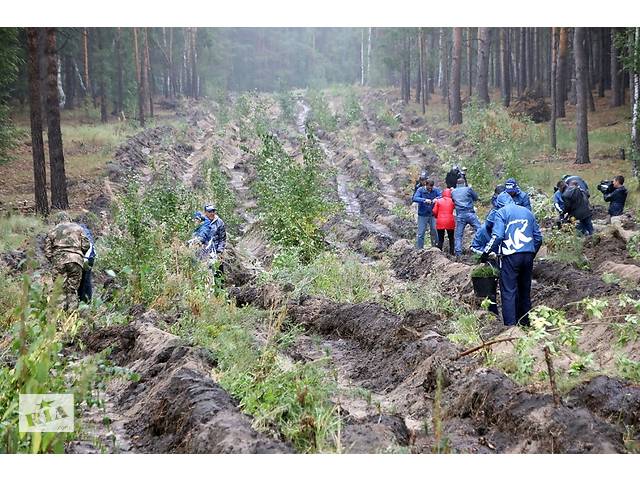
[{"x": 66, "y": 243}]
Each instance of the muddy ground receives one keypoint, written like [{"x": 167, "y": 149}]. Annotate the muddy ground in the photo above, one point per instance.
[{"x": 411, "y": 371}]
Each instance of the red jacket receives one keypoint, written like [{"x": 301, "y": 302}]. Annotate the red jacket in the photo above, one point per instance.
[{"x": 443, "y": 211}]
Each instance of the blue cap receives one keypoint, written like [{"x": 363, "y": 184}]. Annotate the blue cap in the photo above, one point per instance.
[
  {"x": 209, "y": 208},
  {"x": 511, "y": 186}
]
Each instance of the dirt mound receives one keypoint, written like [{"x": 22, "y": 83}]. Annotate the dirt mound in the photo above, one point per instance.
[
  {"x": 13, "y": 260},
  {"x": 531, "y": 105},
  {"x": 563, "y": 283},
  {"x": 374, "y": 434},
  {"x": 612, "y": 398},
  {"x": 531, "y": 421},
  {"x": 153, "y": 145},
  {"x": 176, "y": 407},
  {"x": 411, "y": 264}
]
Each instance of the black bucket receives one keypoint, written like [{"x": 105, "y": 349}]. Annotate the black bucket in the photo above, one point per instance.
[{"x": 485, "y": 287}]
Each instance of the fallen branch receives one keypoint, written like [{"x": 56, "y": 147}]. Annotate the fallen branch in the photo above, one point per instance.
[{"x": 485, "y": 345}]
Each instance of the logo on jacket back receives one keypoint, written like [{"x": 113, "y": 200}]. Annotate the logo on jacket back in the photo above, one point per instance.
[{"x": 516, "y": 237}]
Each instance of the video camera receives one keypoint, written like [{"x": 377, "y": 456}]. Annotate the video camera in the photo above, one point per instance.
[{"x": 605, "y": 186}]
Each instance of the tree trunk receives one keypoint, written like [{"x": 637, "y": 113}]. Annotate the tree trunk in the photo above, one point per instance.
[
  {"x": 194, "y": 63},
  {"x": 456, "y": 104},
  {"x": 589, "y": 53},
  {"x": 530, "y": 62},
  {"x": 582, "y": 148},
  {"x": 561, "y": 73},
  {"x": 85, "y": 51},
  {"x": 602, "y": 66},
  {"x": 37, "y": 144},
  {"x": 419, "y": 72},
  {"x": 445, "y": 64},
  {"x": 362, "y": 56},
  {"x": 554, "y": 93},
  {"x": 119, "y": 74},
  {"x": 102, "y": 79},
  {"x": 147, "y": 78},
  {"x": 59, "y": 197},
  {"x": 616, "y": 73},
  {"x": 470, "y": 62},
  {"x": 368, "y": 75},
  {"x": 506, "y": 66},
  {"x": 483, "y": 65},
  {"x": 141, "y": 95}
]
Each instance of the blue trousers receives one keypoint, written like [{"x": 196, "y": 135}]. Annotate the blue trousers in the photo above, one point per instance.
[
  {"x": 515, "y": 287},
  {"x": 85, "y": 291},
  {"x": 424, "y": 223},
  {"x": 585, "y": 226},
  {"x": 462, "y": 220}
]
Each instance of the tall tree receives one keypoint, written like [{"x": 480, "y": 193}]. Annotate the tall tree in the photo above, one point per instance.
[
  {"x": 102, "y": 76},
  {"x": 617, "y": 79},
  {"x": 85, "y": 63},
  {"x": 635, "y": 117},
  {"x": 147, "y": 77},
  {"x": 368, "y": 75},
  {"x": 456, "y": 60},
  {"x": 470, "y": 62},
  {"x": 141, "y": 94},
  {"x": 59, "y": 197},
  {"x": 506, "y": 66},
  {"x": 522, "y": 83},
  {"x": 37, "y": 144},
  {"x": 554, "y": 93},
  {"x": 561, "y": 72},
  {"x": 119, "y": 103},
  {"x": 582, "y": 84},
  {"x": 483, "y": 65}
]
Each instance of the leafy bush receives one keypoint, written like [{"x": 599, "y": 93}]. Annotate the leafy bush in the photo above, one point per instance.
[
  {"x": 498, "y": 141},
  {"x": 321, "y": 114},
  {"x": 565, "y": 245},
  {"x": 39, "y": 367},
  {"x": 483, "y": 271},
  {"x": 292, "y": 196},
  {"x": 216, "y": 190},
  {"x": 353, "y": 111}
]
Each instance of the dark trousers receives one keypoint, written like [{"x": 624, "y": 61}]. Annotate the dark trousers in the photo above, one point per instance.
[
  {"x": 515, "y": 287},
  {"x": 585, "y": 226},
  {"x": 85, "y": 291},
  {"x": 441, "y": 240}
]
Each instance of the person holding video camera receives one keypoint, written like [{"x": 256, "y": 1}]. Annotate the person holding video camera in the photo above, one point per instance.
[
  {"x": 615, "y": 193},
  {"x": 455, "y": 174}
]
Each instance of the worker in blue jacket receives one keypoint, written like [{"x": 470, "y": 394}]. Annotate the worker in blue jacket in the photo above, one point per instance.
[
  {"x": 425, "y": 197},
  {"x": 519, "y": 197},
  {"x": 517, "y": 234}
]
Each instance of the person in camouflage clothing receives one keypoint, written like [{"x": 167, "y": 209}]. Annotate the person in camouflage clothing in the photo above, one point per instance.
[{"x": 65, "y": 247}]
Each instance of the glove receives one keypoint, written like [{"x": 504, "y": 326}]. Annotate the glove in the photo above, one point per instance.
[
  {"x": 493, "y": 255},
  {"x": 484, "y": 257}
]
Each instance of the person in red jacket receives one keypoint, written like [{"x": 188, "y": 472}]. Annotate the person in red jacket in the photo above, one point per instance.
[{"x": 445, "y": 221}]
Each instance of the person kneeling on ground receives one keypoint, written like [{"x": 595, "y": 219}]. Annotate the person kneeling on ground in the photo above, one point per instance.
[
  {"x": 616, "y": 194},
  {"x": 425, "y": 196},
  {"x": 517, "y": 234},
  {"x": 445, "y": 221},
  {"x": 463, "y": 198},
  {"x": 66, "y": 246},
  {"x": 576, "y": 205}
]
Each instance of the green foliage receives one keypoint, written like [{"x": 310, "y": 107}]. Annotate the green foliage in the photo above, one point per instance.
[
  {"x": 10, "y": 61},
  {"x": 633, "y": 246},
  {"x": 352, "y": 108},
  {"x": 321, "y": 114},
  {"x": 581, "y": 364},
  {"x": 292, "y": 400},
  {"x": 419, "y": 138},
  {"x": 36, "y": 345},
  {"x": 566, "y": 245},
  {"x": 287, "y": 103},
  {"x": 292, "y": 196},
  {"x": 629, "y": 330},
  {"x": 498, "y": 141},
  {"x": 217, "y": 191},
  {"x": 627, "y": 368},
  {"x": 18, "y": 230},
  {"x": 141, "y": 248},
  {"x": 484, "y": 271},
  {"x": 386, "y": 116}
]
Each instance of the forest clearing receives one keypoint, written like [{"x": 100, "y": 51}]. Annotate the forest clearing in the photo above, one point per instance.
[{"x": 318, "y": 325}]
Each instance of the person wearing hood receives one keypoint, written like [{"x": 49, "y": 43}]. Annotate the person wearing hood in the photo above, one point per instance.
[
  {"x": 425, "y": 197},
  {"x": 464, "y": 197},
  {"x": 519, "y": 197},
  {"x": 576, "y": 205},
  {"x": 617, "y": 196},
  {"x": 517, "y": 235},
  {"x": 445, "y": 221}
]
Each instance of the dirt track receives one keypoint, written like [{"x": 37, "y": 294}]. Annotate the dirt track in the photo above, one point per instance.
[{"x": 177, "y": 407}]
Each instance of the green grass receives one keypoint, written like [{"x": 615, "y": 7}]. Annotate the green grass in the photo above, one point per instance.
[{"x": 17, "y": 230}]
